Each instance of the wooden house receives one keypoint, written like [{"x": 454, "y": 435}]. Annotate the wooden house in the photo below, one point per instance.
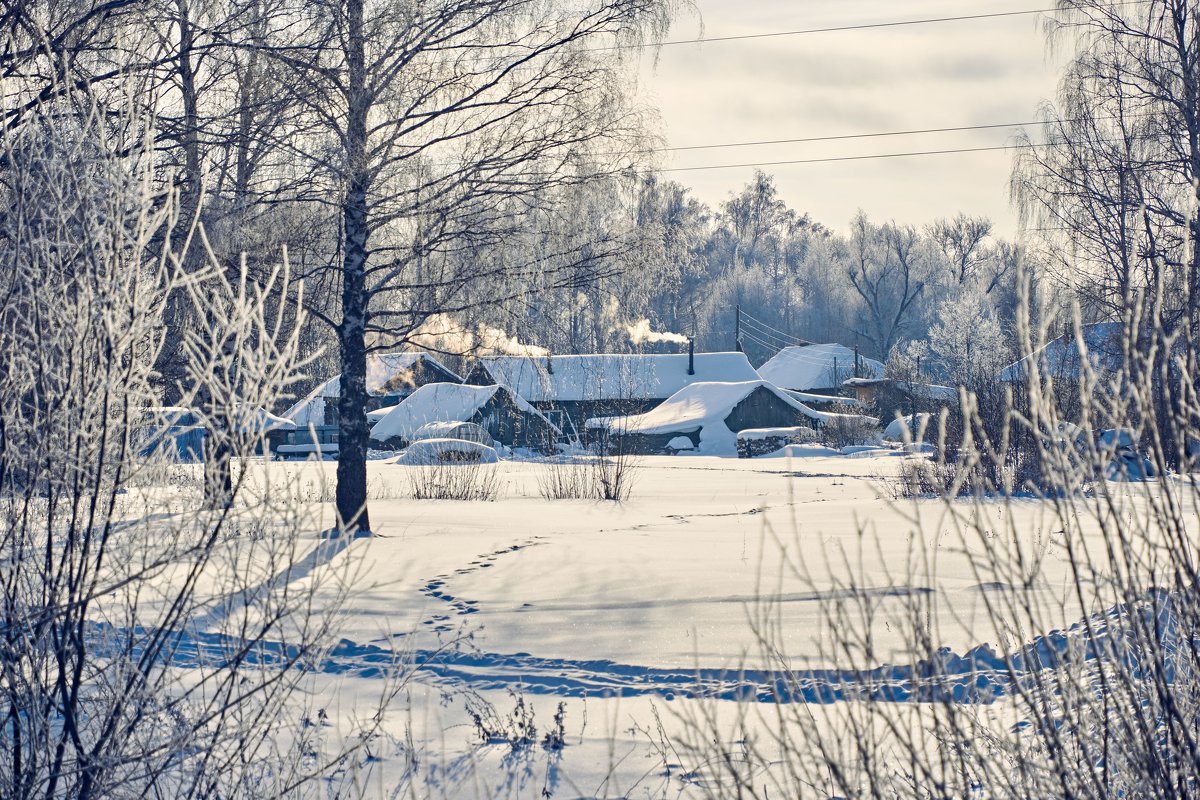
[
  {"x": 569, "y": 390},
  {"x": 391, "y": 377},
  {"x": 819, "y": 369},
  {"x": 709, "y": 415},
  {"x": 506, "y": 417}
]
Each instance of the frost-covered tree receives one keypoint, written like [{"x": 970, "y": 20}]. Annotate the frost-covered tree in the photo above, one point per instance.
[
  {"x": 145, "y": 649},
  {"x": 967, "y": 339}
]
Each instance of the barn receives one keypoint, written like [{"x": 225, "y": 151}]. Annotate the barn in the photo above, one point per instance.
[
  {"x": 506, "y": 417},
  {"x": 709, "y": 414},
  {"x": 572, "y": 389},
  {"x": 391, "y": 377}
]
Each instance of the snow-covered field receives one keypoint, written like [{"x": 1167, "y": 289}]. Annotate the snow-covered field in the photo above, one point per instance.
[{"x": 628, "y": 614}]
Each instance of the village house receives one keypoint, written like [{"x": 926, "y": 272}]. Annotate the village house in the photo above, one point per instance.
[
  {"x": 391, "y": 377},
  {"x": 706, "y": 417},
  {"x": 815, "y": 373},
  {"x": 571, "y": 389},
  {"x": 506, "y": 417}
]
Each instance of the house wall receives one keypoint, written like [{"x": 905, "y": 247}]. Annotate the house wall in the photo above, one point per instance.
[
  {"x": 512, "y": 427},
  {"x": 762, "y": 408}
]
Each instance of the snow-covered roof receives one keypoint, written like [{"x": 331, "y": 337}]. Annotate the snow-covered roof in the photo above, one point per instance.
[
  {"x": 253, "y": 419},
  {"x": 812, "y": 367},
  {"x": 387, "y": 373},
  {"x": 809, "y": 398},
  {"x": 610, "y": 376},
  {"x": 1060, "y": 358},
  {"x": 929, "y": 391},
  {"x": 704, "y": 407},
  {"x": 440, "y": 402},
  {"x": 694, "y": 406}
]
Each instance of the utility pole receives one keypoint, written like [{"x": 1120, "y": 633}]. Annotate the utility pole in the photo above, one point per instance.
[
  {"x": 737, "y": 328},
  {"x": 856, "y": 362}
]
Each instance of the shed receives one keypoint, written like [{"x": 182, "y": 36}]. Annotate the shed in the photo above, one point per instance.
[
  {"x": 710, "y": 414},
  {"x": 819, "y": 368},
  {"x": 572, "y": 389},
  {"x": 506, "y": 417},
  {"x": 391, "y": 377},
  {"x": 889, "y": 398}
]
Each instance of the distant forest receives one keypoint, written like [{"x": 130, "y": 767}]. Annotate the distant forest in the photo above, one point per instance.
[{"x": 671, "y": 267}]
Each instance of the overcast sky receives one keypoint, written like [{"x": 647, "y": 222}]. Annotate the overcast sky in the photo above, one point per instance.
[{"x": 923, "y": 76}]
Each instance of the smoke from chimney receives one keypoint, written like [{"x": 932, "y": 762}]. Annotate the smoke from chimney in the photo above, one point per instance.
[{"x": 640, "y": 333}]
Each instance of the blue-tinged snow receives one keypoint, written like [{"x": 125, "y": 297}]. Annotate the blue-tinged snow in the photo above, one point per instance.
[
  {"x": 817, "y": 366},
  {"x": 637, "y": 376}
]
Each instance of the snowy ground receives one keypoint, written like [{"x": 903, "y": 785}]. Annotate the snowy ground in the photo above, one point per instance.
[{"x": 624, "y": 612}]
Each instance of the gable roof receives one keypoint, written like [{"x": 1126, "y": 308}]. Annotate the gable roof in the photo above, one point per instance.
[
  {"x": 441, "y": 402},
  {"x": 612, "y": 376},
  {"x": 1060, "y": 358},
  {"x": 812, "y": 367},
  {"x": 697, "y": 405},
  {"x": 387, "y": 373}
]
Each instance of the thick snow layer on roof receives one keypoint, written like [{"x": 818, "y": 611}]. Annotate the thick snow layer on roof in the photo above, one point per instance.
[
  {"x": 250, "y": 419},
  {"x": 1060, "y": 358},
  {"x": 702, "y": 407},
  {"x": 387, "y": 373},
  {"x": 813, "y": 367},
  {"x": 808, "y": 398},
  {"x": 638, "y": 376},
  {"x": 439, "y": 402}
]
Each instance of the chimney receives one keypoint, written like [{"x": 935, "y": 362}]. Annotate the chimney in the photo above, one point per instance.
[
  {"x": 691, "y": 356},
  {"x": 549, "y": 363}
]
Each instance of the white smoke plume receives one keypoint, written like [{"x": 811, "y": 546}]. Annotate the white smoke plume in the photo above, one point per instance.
[
  {"x": 640, "y": 333},
  {"x": 442, "y": 334}
]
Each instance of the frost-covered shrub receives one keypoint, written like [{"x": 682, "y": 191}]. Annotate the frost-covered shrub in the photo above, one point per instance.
[
  {"x": 849, "y": 428},
  {"x": 1079, "y": 678},
  {"x": 143, "y": 649},
  {"x": 454, "y": 480}
]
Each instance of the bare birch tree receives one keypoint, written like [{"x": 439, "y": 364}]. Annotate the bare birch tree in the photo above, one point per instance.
[{"x": 433, "y": 127}]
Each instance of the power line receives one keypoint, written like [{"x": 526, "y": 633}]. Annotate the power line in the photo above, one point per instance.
[
  {"x": 782, "y": 339},
  {"x": 844, "y": 136},
  {"x": 771, "y": 330},
  {"x": 747, "y": 315},
  {"x": 872, "y": 156},
  {"x": 769, "y": 345},
  {"x": 774, "y": 341},
  {"x": 856, "y": 27}
]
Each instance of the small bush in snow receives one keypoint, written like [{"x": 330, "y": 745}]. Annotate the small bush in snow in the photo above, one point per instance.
[
  {"x": 850, "y": 429},
  {"x": 608, "y": 476},
  {"x": 454, "y": 480}
]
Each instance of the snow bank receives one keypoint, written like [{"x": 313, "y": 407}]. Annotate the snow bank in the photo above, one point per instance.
[
  {"x": 758, "y": 434},
  {"x": 469, "y": 431},
  {"x": 813, "y": 367},
  {"x": 895, "y": 429},
  {"x": 447, "y": 451},
  {"x": 803, "y": 451}
]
